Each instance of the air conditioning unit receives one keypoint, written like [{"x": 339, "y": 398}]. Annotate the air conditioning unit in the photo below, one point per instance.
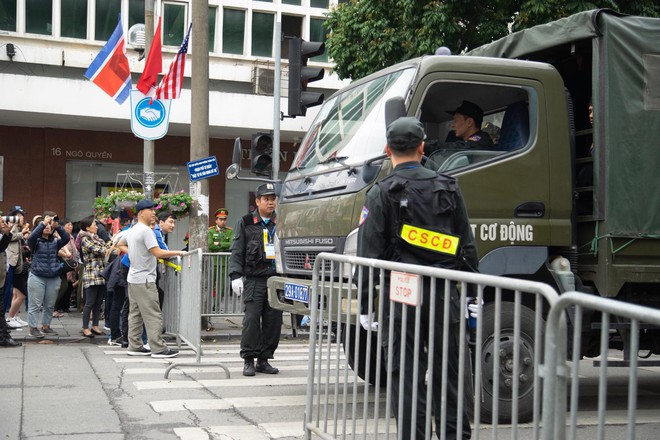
[
  {"x": 263, "y": 80},
  {"x": 136, "y": 36}
]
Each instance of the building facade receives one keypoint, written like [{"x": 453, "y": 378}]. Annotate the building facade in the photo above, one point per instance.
[{"x": 63, "y": 141}]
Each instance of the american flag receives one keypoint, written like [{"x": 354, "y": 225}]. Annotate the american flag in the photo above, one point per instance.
[{"x": 170, "y": 85}]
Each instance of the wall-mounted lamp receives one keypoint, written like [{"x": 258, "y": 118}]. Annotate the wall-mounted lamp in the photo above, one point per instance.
[{"x": 11, "y": 50}]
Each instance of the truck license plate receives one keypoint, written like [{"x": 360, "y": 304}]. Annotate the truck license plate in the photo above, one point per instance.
[{"x": 296, "y": 292}]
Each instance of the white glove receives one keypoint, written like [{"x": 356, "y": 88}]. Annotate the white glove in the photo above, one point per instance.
[
  {"x": 472, "y": 308},
  {"x": 364, "y": 322},
  {"x": 237, "y": 286}
]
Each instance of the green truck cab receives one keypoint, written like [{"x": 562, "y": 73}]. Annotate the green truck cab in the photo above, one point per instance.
[{"x": 556, "y": 200}]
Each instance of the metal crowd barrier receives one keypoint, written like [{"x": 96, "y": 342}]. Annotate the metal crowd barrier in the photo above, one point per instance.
[
  {"x": 182, "y": 308},
  {"x": 218, "y": 298},
  {"x": 558, "y": 372},
  {"x": 349, "y": 390}
]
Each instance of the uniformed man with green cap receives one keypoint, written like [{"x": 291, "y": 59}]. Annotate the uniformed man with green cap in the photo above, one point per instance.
[
  {"x": 414, "y": 200},
  {"x": 220, "y": 236}
]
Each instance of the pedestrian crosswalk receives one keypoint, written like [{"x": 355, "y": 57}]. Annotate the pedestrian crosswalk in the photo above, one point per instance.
[{"x": 266, "y": 406}]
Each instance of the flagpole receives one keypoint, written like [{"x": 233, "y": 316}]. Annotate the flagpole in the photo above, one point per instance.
[
  {"x": 199, "y": 120},
  {"x": 149, "y": 146}
]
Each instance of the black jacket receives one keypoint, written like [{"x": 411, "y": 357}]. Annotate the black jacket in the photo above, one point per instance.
[{"x": 248, "y": 256}]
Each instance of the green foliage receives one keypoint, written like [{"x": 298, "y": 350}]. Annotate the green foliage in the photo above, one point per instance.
[{"x": 368, "y": 35}]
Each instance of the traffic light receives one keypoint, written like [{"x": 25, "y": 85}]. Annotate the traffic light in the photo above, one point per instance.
[
  {"x": 261, "y": 151},
  {"x": 300, "y": 75}
]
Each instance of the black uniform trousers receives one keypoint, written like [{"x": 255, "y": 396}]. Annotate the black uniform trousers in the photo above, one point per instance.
[
  {"x": 404, "y": 340},
  {"x": 262, "y": 325}
]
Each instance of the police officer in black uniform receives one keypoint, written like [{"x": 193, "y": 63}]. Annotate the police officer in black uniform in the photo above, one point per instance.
[
  {"x": 466, "y": 131},
  {"x": 413, "y": 197},
  {"x": 252, "y": 261}
]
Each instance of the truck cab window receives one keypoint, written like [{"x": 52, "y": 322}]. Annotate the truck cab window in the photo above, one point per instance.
[{"x": 471, "y": 123}]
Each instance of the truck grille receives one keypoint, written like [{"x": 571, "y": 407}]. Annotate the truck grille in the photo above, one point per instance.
[{"x": 303, "y": 260}]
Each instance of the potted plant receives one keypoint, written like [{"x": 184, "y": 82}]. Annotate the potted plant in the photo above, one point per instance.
[
  {"x": 123, "y": 199},
  {"x": 178, "y": 203}
]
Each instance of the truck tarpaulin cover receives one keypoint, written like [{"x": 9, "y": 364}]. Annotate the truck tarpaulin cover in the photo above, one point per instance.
[{"x": 626, "y": 85}]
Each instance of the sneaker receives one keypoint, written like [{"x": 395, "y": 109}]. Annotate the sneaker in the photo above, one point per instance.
[
  {"x": 124, "y": 343},
  {"x": 141, "y": 352},
  {"x": 20, "y": 321},
  {"x": 106, "y": 328},
  {"x": 264, "y": 367},
  {"x": 248, "y": 368},
  {"x": 48, "y": 331},
  {"x": 114, "y": 342},
  {"x": 146, "y": 345},
  {"x": 11, "y": 322},
  {"x": 35, "y": 333},
  {"x": 168, "y": 353}
]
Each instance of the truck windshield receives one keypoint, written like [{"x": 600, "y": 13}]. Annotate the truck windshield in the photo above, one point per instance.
[{"x": 349, "y": 126}]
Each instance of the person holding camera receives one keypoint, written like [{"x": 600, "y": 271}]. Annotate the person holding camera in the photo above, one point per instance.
[
  {"x": 93, "y": 250},
  {"x": 5, "y": 237},
  {"x": 15, "y": 290},
  {"x": 44, "y": 279}
]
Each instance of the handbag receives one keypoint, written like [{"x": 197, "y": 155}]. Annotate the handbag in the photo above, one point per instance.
[{"x": 68, "y": 264}]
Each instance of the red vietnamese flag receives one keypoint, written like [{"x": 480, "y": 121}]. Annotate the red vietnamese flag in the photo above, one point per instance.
[{"x": 154, "y": 64}]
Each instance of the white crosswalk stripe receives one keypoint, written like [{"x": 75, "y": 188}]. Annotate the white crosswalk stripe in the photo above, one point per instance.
[{"x": 281, "y": 396}]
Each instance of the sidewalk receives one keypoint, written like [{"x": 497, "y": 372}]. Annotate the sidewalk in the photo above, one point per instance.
[{"x": 69, "y": 327}]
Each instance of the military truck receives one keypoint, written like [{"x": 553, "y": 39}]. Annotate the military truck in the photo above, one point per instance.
[{"x": 557, "y": 199}]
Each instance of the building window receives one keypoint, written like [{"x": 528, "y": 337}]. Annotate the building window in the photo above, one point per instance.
[
  {"x": 318, "y": 32},
  {"x": 291, "y": 27},
  {"x": 233, "y": 31},
  {"x": 321, "y": 4},
  {"x": 136, "y": 13},
  {"x": 74, "y": 18},
  {"x": 262, "y": 34},
  {"x": 8, "y": 15},
  {"x": 213, "y": 12},
  {"x": 174, "y": 23},
  {"x": 106, "y": 18},
  {"x": 291, "y": 2},
  {"x": 39, "y": 17}
]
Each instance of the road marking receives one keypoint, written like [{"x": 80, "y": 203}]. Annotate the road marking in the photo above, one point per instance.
[{"x": 260, "y": 380}]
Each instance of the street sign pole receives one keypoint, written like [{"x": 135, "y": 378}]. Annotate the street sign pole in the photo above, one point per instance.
[{"x": 149, "y": 155}]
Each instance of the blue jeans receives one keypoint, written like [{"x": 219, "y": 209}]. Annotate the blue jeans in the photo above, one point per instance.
[{"x": 43, "y": 294}]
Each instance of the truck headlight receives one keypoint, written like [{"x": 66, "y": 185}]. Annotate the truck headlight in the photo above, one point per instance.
[
  {"x": 350, "y": 249},
  {"x": 350, "y": 246},
  {"x": 279, "y": 267}
]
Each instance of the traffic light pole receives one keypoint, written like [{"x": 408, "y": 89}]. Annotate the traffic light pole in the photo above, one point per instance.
[{"x": 276, "y": 100}]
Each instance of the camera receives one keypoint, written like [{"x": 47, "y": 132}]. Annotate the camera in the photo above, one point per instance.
[{"x": 11, "y": 218}]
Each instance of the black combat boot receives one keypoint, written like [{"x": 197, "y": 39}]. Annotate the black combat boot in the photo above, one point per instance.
[
  {"x": 248, "y": 368},
  {"x": 264, "y": 367}
]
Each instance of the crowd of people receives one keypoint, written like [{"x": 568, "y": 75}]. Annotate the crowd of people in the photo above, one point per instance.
[{"x": 54, "y": 264}]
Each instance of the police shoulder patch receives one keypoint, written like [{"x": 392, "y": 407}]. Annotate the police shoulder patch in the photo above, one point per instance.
[
  {"x": 363, "y": 215},
  {"x": 474, "y": 137}
]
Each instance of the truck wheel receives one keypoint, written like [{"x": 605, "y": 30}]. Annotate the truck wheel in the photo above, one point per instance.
[
  {"x": 505, "y": 367},
  {"x": 361, "y": 367}
]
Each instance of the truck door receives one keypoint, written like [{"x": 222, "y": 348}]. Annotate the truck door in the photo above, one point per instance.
[{"x": 508, "y": 186}]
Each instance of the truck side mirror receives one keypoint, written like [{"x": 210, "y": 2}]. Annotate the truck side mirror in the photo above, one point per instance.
[
  {"x": 395, "y": 108},
  {"x": 235, "y": 167}
]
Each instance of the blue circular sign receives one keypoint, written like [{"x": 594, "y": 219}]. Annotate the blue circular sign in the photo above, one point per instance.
[{"x": 148, "y": 115}]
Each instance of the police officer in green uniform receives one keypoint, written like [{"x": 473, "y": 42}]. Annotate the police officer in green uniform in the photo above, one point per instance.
[
  {"x": 220, "y": 236},
  {"x": 413, "y": 198},
  {"x": 252, "y": 261}
]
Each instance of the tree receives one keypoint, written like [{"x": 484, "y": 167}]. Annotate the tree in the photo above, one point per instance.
[{"x": 368, "y": 35}]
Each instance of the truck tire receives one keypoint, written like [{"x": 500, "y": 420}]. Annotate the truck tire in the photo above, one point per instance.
[
  {"x": 360, "y": 369},
  {"x": 505, "y": 369}
]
